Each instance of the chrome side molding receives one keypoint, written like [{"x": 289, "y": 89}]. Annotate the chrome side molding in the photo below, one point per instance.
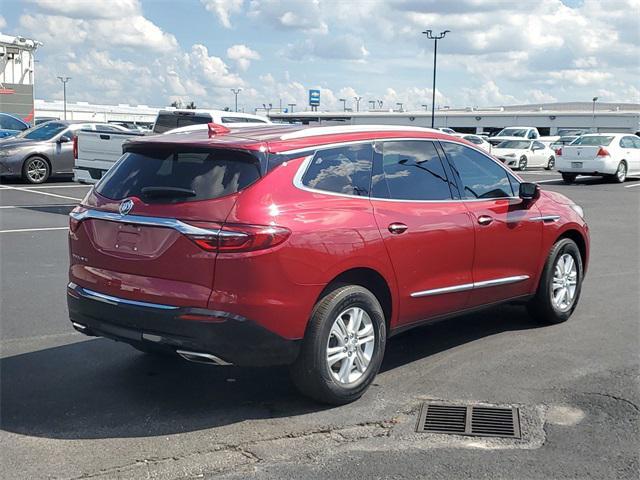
[
  {"x": 470, "y": 286},
  {"x": 545, "y": 218}
]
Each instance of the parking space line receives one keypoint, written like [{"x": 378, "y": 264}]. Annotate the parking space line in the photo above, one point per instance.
[
  {"x": 20, "y": 189},
  {"x": 46, "y": 205},
  {"x": 632, "y": 185},
  {"x": 547, "y": 181},
  {"x": 21, "y": 230},
  {"x": 44, "y": 187}
]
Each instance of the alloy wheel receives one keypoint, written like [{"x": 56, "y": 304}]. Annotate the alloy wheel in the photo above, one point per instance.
[
  {"x": 621, "y": 173},
  {"x": 350, "y": 346},
  {"x": 36, "y": 170},
  {"x": 564, "y": 283}
]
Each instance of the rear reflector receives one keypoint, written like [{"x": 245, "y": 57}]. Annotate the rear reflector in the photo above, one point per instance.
[
  {"x": 75, "y": 147},
  {"x": 559, "y": 152},
  {"x": 73, "y": 223},
  {"x": 603, "y": 152},
  {"x": 194, "y": 317},
  {"x": 241, "y": 238}
]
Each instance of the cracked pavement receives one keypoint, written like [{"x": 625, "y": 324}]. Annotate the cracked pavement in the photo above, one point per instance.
[{"x": 74, "y": 407}]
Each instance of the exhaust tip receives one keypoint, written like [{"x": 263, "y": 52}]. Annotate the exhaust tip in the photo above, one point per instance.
[
  {"x": 78, "y": 326},
  {"x": 200, "y": 357}
]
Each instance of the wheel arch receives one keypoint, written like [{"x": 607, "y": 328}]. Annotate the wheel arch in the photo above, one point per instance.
[
  {"x": 580, "y": 241},
  {"x": 370, "y": 279}
]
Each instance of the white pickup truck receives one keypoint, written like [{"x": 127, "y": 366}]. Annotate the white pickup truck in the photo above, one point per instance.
[
  {"x": 514, "y": 133},
  {"x": 95, "y": 152}
]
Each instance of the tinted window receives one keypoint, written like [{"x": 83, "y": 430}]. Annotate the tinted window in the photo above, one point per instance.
[
  {"x": 344, "y": 170},
  {"x": 627, "y": 142},
  {"x": 11, "y": 123},
  {"x": 636, "y": 142},
  {"x": 179, "y": 176},
  {"x": 593, "y": 140},
  {"x": 481, "y": 176},
  {"x": 169, "y": 121},
  {"x": 44, "y": 131},
  {"x": 512, "y": 132},
  {"x": 411, "y": 170},
  {"x": 473, "y": 139},
  {"x": 539, "y": 145}
]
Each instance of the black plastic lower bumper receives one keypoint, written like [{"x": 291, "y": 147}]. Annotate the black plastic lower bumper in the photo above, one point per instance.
[{"x": 232, "y": 339}]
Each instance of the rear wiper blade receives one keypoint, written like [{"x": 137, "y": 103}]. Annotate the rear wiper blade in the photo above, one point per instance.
[{"x": 156, "y": 192}]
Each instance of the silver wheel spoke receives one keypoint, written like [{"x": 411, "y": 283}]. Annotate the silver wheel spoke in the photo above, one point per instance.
[{"x": 336, "y": 357}]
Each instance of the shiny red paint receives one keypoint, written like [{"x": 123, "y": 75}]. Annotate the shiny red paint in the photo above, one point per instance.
[{"x": 443, "y": 246}]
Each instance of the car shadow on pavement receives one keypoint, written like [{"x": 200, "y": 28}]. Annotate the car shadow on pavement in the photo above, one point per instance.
[{"x": 98, "y": 388}]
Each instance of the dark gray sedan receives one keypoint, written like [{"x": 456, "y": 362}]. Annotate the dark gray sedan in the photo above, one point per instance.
[{"x": 45, "y": 150}]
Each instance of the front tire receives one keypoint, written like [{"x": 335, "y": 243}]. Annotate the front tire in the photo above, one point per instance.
[
  {"x": 343, "y": 347},
  {"x": 522, "y": 164},
  {"x": 35, "y": 170},
  {"x": 560, "y": 284},
  {"x": 569, "y": 177},
  {"x": 550, "y": 163}
]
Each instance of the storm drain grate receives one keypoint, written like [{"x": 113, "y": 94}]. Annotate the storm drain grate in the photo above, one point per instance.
[{"x": 476, "y": 420}]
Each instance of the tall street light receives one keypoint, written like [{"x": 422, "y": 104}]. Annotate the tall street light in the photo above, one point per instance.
[
  {"x": 593, "y": 112},
  {"x": 64, "y": 81},
  {"x": 291, "y": 105},
  {"x": 344, "y": 104},
  {"x": 373, "y": 104},
  {"x": 399, "y": 105},
  {"x": 236, "y": 91},
  {"x": 435, "y": 38},
  {"x": 357, "y": 99}
]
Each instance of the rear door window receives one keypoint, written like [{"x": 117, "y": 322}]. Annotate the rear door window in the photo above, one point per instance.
[
  {"x": 410, "y": 170},
  {"x": 480, "y": 175},
  {"x": 178, "y": 175},
  {"x": 345, "y": 170}
]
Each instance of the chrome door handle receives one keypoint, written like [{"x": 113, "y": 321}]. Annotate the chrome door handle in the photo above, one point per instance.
[
  {"x": 397, "y": 228},
  {"x": 485, "y": 219}
]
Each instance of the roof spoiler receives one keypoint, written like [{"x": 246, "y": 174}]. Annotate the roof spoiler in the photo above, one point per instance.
[{"x": 215, "y": 129}]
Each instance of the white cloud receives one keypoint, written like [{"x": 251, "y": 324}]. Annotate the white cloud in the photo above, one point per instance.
[
  {"x": 338, "y": 47},
  {"x": 3, "y": 22},
  {"x": 223, "y": 9},
  {"x": 242, "y": 55},
  {"x": 302, "y": 15},
  {"x": 90, "y": 8}
]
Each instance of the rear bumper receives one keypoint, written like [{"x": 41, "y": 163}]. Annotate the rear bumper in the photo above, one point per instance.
[
  {"x": 231, "y": 338},
  {"x": 606, "y": 166},
  {"x": 87, "y": 174}
]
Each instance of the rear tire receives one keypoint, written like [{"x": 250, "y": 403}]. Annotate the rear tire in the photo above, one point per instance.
[
  {"x": 569, "y": 177},
  {"x": 621, "y": 173},
  {"x": 560, "y": 284},
  {"x": 333, "y": 365},
  {"x": 550, "y": 164},
  {"x": 522, "y": 164},
  {"x": 35, "y": 170}
]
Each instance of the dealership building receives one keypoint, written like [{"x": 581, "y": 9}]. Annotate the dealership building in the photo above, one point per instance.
[
  {"x": 17, "y": 75},
  {"x": 548, "y": 118}
]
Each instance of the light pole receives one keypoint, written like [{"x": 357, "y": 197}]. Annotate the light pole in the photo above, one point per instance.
[
  {"x": 64, "y": 81},
  {"x": 593, "y": 113},
  {"x": 399, "y": 104},
  {"x": 426, "y": 107},
  {"x": 380, "y": 103},
  {"x": 291, "y": 105},
  {"x": 344, "y": 104},
  {"x": 357, "y": 99},
  {"x": 435, "y": 38},
  {"x": 236, "y": 91},
  {"x": 373, "y": 104}
]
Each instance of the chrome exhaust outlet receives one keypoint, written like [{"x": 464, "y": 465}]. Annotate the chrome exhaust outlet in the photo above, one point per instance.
[
  {"x": 199, "y": 357},
  {"x": 78, "y": 326}
]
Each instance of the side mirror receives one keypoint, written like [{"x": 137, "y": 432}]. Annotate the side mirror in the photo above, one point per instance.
[
  {"x": 529, "y": 191},
  {"x": 64, "y": 139}
]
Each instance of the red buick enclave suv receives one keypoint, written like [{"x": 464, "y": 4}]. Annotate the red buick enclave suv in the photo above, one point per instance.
[{"x": 312, "y": 246}]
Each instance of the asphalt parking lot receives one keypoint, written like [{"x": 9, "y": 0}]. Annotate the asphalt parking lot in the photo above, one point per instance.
[{"x": 79, "y": 407}]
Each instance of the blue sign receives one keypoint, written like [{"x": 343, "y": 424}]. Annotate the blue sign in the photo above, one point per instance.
[{"x": 314, "y": 98}]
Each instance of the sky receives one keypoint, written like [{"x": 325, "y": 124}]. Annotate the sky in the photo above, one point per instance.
[{"x": 498, "y": 52}]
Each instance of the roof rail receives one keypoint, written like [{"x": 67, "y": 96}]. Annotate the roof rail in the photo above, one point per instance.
[{"x": 338, "y": 129}]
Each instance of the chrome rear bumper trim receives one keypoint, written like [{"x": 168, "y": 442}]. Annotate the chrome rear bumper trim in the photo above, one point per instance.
[{"x": 111, "y": 300}]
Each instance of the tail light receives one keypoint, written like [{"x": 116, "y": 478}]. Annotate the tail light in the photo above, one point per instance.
[
  {"x": 603, "y": 152},
  {"x": 75, "y": 148},
  {"x": 240, "y": 238},
  {"x": 215, "y": 129},
  {"x": 559, "y": 151},
  {"x": 74, "y": 221}
]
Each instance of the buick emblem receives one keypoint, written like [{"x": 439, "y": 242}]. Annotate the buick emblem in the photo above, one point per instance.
[{"x": 125, "y": 206}]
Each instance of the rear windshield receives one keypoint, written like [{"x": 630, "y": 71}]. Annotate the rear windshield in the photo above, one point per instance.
[
  {"x": 593, "y": 141},
  {"x": 170, "y": 176},
  {"x": 169, "y": 121}
]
